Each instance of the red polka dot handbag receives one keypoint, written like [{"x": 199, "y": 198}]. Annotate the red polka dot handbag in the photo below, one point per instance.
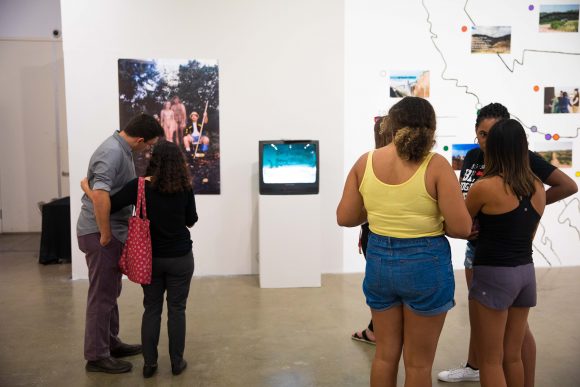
[{"x": 136, "y": 259}]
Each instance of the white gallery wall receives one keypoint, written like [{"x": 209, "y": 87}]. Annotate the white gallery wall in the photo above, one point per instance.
[
  {"x": 281, "y": 77},
  {"x": 383, "y": 37},
  {"x": 33, "y": 143}
]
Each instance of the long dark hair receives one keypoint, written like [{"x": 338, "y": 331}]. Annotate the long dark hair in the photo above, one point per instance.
[
  {"x": 412, "y": 124},
  {"x": 507, "y": 156},
  {"x": 167, "y": 168}
]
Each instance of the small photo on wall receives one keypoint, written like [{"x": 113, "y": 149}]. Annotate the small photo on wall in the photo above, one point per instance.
[
  {"x": 557, "y": 153},
  {"x": 458, "y": 152},
  {"x": 491, "y": 40},
  {"x": 559, "y": 17},
  {"x": 409, "y": 84},
  {"x": 183, "y": 95},
  {"x": 561, "y": 99}
]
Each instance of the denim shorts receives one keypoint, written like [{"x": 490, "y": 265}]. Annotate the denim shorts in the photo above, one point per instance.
[
  {"x": 469, "y": 255},
  {"x": 414, "y": 272},
  {"x": 500, "y": 288}
]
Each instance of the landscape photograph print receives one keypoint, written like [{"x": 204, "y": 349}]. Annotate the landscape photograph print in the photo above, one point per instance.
[
  {"x": 491, "y": 40},
  {"x": 559, "y": 17},
  {"x": 409, "y": 84}
]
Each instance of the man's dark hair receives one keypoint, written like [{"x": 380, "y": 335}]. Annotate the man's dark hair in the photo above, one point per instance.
[
  {"x": 144, "y": 125},
  {"x": 492, "y": 110}
]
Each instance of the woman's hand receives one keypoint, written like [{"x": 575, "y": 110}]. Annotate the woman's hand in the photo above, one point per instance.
[{"x": 86, "y": 188}]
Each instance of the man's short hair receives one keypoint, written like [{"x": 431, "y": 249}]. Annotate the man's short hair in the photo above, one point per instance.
[{"x": 144, "y": 125}]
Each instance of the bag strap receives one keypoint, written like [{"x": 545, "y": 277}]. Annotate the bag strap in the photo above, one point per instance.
[{"x": 141, "y": 201}]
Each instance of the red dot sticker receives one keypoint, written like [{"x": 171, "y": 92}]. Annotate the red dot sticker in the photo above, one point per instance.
[
  {"x": 556, "y": 137},
  {"x": 464, "y": 28},
  {"x": 536, "y": 88}
]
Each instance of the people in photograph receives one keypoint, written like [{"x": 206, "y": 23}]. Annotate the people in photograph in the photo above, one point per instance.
[
  {"x": 575, "y": 102},
  {"x": 555, "y": 107},
  {"x": 180, "y": 116},
  {"x": 508, "y": 202},
  {"x": 167, "y": 121},
  {"x": 193, "y": 137},
  {"x": 564, "y": 102},
  {"x": 405, "y": 192},
  {"x": 101, "y": 237},
  {"x": 561, "y": 186},
  {"x": 382, "y": 138},
  {"x": 171, "y": 211}
]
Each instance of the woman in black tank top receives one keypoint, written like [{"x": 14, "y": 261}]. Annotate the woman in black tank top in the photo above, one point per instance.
[{"x": 508, "y": 201}]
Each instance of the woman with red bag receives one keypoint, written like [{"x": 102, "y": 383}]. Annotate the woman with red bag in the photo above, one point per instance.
[{"x": 171, "y": 210}]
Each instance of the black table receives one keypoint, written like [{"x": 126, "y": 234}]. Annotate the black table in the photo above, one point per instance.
[{"x": 55, "y": 238}]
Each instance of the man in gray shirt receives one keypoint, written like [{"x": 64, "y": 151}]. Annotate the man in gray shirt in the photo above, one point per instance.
[{"x": 101, "y": 236}]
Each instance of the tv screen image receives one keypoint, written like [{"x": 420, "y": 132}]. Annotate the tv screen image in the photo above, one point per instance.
[{"x": 289, "y": 167}]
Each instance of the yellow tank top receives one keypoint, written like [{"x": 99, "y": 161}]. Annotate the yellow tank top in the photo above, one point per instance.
[{"x": 403, "y": 210}]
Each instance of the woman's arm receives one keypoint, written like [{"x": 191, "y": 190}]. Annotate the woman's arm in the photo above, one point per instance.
[
  {"x": 190, "y": 210},
  {"x": 350, "y": 211},
  {"x": 475, "y": 198},
  {"x": 123, "y": 198},
  {"x": 450, "y": 199}
]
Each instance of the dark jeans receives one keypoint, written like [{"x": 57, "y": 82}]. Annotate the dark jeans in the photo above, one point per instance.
[
  {"x": 102, "y": 319},
  {"x": 173, "y": 275}
]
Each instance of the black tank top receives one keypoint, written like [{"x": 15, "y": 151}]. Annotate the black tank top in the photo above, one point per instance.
[{"x": 506, "y": 239}]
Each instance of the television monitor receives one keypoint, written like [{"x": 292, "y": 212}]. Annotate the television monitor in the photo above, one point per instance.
[{"x": 289, "y": 167}]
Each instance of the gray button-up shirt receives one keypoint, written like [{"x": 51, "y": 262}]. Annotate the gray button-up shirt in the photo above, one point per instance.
[{"x": 110, "y": 168}]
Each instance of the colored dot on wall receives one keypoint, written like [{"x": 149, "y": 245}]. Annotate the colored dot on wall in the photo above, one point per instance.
[
  {"x": 577, "y": 173},
  {"x": 445, "y": 148},
  {"x": 536, "y": 88},
  {"x": 556, "y": 137},
  {"x": 534, "y": 128},
  {"x": 548, "y": 136},
  {"x": 383, "y": 73},
  {"x": 531, "y": 7},
  {"x": 464, "y": 28}
]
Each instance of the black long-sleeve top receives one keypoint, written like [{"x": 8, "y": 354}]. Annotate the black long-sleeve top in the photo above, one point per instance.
[{"x": 170, "y": 215}]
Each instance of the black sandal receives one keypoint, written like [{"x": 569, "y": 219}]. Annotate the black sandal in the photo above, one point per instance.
[{"x": 363, "y": 337}]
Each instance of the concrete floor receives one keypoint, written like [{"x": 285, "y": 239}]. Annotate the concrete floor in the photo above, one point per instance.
[{"x": 241, "y": 335}]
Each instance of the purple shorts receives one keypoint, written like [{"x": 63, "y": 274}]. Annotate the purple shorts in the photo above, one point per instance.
[{"x": 501, "y": 288}]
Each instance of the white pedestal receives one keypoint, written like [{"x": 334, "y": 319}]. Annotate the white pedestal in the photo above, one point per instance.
[{"x": 290, "y": 245}]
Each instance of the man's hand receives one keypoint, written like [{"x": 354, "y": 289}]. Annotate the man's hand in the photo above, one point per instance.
[
  {"x": 105, "y": 239},
  {"x": 102, "y": 208}
]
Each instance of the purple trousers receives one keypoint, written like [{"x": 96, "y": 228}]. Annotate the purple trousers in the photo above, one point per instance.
[{"x": 102, "y": 320}]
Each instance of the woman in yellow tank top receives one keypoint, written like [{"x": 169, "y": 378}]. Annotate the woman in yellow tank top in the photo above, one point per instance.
[{"x": 411, "y": 198}]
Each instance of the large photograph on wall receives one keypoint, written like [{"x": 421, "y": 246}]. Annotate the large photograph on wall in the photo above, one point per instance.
[{"x": 184, "y": 96}]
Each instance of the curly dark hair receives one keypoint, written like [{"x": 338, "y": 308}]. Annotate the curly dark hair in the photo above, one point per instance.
[
  {"x": 412, "y": 124},
  {"x": 167, "y": 168},
  {"x": 492, "y": 110},
  {"x": 382, "y": 135}
]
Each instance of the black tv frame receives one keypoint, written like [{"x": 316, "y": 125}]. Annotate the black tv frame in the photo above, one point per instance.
[{"x": 288, "y": 188}]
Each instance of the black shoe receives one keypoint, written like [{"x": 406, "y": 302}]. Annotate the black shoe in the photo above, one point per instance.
[
  {"x": 178, "y": 368},
  {"x": 126, "y": 350},
  {"x": 149, "y": 370},
  {"x": 109, "y": 366}
]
